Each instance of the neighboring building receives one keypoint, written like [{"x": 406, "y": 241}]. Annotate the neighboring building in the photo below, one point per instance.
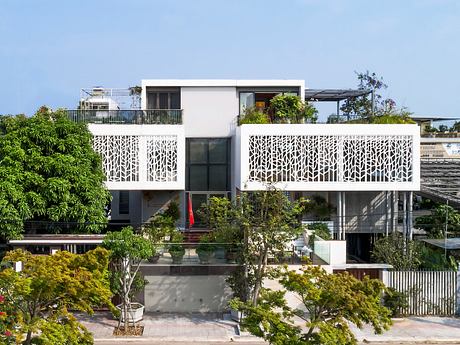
[{"x": 185, "y": 140}]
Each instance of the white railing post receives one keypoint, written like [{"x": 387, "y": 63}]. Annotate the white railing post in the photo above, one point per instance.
[{"x": 457, "y": 292}]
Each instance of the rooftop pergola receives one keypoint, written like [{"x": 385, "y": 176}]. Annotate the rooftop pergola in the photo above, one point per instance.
[
  {"x": 336, "y": 95},
  {"x": 333, "y": 95}
]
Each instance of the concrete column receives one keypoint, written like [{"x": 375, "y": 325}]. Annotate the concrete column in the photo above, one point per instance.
[
  {"x": 405, "y": 215},
  {"x": 344, "y": 222},
  {"x": 410, "y": 216},
  {"x": 395, "y": 211},
  {"x": 387, "y": 214}
]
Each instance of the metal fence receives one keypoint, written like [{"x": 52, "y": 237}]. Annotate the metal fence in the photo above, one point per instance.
[
  {"x": 428, "y": 292},
  {"x": 130, "y": 116}
]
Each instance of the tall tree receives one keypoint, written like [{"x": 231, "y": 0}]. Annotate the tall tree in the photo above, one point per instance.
[
  {"x": 127, "y": 250},
  {"x": 49, "y": 172},
  {"x": 329, "y": 303},
  {"x": 362, "y": 105},
  {"x": 42, "y": 294},
  {"x": 265, "y": 222}
]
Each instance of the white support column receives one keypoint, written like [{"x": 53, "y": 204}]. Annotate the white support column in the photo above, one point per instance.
[
  {"x": 410, "y": 216},
  {"x": 339, "y": 216},
  {"x": 395, "y": 210},
  {"x": 387, "y": 214},
  {"x": 344, "y": 223},
  {"x": 405, "y": 215}
]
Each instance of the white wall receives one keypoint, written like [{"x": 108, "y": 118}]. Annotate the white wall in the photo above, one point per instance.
[{"x": 209, "y": 111}]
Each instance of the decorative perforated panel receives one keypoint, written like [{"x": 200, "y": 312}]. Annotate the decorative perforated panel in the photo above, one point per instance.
[
  {"x": 330, "y": 158},
  {"x": 120, "y": 156},
  {"x": 124, "y": 156},
  {"x": 162, "y": 158}
]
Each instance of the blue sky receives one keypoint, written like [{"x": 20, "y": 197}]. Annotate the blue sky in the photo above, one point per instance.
[{"x": 51, "y": 49}]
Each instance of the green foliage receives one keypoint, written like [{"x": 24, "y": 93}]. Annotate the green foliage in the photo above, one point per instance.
[
  {"x": 206, "y": 244},
  {"x": 435, "y": 224},
  {"x": 264, "y": 221},
  {"x": 127, "y": 250},
  {"x": 394, "y": 250},
  {"x": 434, "y": 259},
  {"x": 49, "y": 172},
  {"x": 173, "y": 211},
  {"x": 385, "y": 110},
  {"x": 320, "y": 230},
  {"x": 254, "y": 116},
  {"x": 318, "y": 208},
  {"x": 42, "y": 294},
  {"x": 329, "y": 303},
  {"x": 395, "y": 301},
  {"x": 291, "y": 108}
]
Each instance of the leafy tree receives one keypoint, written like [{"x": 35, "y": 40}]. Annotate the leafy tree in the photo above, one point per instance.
[
  {"x": 127, "y": 250},
  {"x": 49, "y": 172},
  {"x": 435, "y": 224},
  {"x": 384, "y": 109},
  {"x": 265, "y": 221},
  {"x": 398, "y": 252},
  {"x": 329, "y": 303},
  {"x": 410, "y": 255},
  {"x": 48, "y": 287},
  {"x": 455, "y": 127}
]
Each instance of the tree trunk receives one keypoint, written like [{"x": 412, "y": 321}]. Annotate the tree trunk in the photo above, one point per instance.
[{"x": 28, "y": 338}]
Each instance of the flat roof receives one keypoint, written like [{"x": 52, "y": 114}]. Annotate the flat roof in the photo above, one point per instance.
[
  {"x": 448, "y": 243},
  {"x": 59, "y": 239},
  {"x": 433, "y": 118},
  {"x": 331, "y": 95},
  {"x": 222, "y": 82}
]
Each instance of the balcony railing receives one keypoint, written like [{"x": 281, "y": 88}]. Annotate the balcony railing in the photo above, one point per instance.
[{"x": 128, "y": 117}]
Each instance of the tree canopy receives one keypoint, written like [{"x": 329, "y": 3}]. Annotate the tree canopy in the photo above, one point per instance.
[
  {"x": 49, "y": 172},
  {"x": 329, "y": 302},
  {"x": 42, "y": 294},
  {"x": 262, "y": 223},
  {"x": 127, "y": 250}
]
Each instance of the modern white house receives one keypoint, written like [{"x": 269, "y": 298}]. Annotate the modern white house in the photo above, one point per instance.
[{"x": 185, "y": 140}]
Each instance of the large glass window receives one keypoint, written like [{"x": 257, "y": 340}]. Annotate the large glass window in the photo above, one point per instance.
[
  {"x": 163, "y": 98},
  {"x": 207, "y": 171},
  {"x": 208, "y": 164},
  {"x": 123, "y": 202}
]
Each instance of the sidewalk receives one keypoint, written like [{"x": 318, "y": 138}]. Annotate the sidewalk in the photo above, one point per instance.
[
  {"x": 415, "y": 330},
  {"x": 167, "y": 327},
  {"x": 205, "y": 328}
]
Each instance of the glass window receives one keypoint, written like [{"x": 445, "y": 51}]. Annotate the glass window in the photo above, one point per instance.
[
  {"x": 152, "y": 101},
  {"x": 218, "y": 151},
  {"x": 218, "y": 177},
  {"x": 123, "y": 202},
  {"x": 247, "y": 100},
  {"x": 163, "y": 101},
  {"x": 198, "y": 151},
  {"x": 198, "y": 177},
  {"x": 175, "y": 100}
]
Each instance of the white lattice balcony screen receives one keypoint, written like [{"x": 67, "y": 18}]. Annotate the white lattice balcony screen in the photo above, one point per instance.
[
  {"x": 139, "y": 159},
  {"x": 300, "y": 161}
]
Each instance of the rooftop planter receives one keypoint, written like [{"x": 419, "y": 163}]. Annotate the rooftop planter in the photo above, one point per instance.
[{"x": 283, "y": 109}]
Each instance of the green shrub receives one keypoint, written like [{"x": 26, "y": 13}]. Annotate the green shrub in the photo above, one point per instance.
[
  {"x": 254, "y": 116},
  {"x": 395, "y": 300}
]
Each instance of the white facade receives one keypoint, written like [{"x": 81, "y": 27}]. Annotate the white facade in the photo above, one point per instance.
[
  {"x": 141, "y": 157},
  {"x": 328, "y": 157},
  {"x": 150, "y": 160}
]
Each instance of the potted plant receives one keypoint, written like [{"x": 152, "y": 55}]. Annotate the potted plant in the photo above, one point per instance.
[
  {"x": 176, "y": 248},
  {"x": 309, "y": 114},
  {"x": 205, "y": 249},
  {"x": 253, "y": 116},
  {"x": 127, "y": 251},
  {"x": 286, "y": 108},
  {"x": 161, "y": 225}
]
